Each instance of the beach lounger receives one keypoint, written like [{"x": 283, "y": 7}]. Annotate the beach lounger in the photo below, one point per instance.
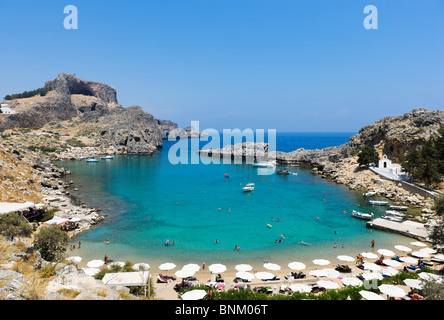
[{"x": 161, "y": 279}]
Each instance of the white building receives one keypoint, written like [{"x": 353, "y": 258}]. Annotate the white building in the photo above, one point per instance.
[
  {"x": 385, "y": 163},
  {"x": 7, "y": 110}
]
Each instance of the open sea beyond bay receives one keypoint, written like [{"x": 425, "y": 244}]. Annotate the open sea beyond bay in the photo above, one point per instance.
[{"x": 149, "y": 200}]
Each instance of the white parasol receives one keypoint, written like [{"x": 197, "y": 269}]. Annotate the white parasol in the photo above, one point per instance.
[
  {"x": 197, "y": 294},
  {"x": 420, "y": 254},
  {"x": 408, "y": 259},
  {"x": 321, "y": 262},
  {"x": 245, "y": 275},
  {"x": 346, "y": 258},
  {"x": 327, "y": 284},
  {"x": 403, "y": 248},
  {"x": 392, "y": 291},
  {"x": 371, "y": 266},
  {"x": 392, "y": 263},
  {"x": 75, "y": 259},
  {"x": 300, "y": 287},
  {"x": 263, "y": 275},
  {"x": 272, "y": 266},
  {"x": 368, "y": 295},
  {"x": 167, "y": 266},
  {"x": 296, "y": 266},
  {"x": 243, "y": 267},
  {"x": 389, "y": 271},
  {"x": 418, "y": 244},
  {"x": 95, "y": 263},
  {"x": 217, "y": 268},
  {"x": 369, "y": 255},
  {"x": 191, "y": 266},
  {"x": 185, "y": 273},
  {"x": 386, "y": 252},
  {"x": 350, "y": 281},
  {"x": 372, "y": 275},
  {"x": 414, "y": 283},
  {"x": 141, "y": 266}
]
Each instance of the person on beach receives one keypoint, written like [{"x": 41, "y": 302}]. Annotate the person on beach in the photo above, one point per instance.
[
  {"x": 105, "y": 259},
  {"x": 335, "y": 246},
  {"x": 373, "y": 242},
  {"x": 203, "y": 265},
  {"x": 79, "y": 244}
]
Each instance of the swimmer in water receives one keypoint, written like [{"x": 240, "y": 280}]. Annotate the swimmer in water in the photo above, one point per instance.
[
  {"x": 282, "y": 236},
  {"x": 304, "y": 243}
]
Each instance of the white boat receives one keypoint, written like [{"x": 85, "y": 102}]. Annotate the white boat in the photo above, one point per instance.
[
  {"x": 264, "y": 164},
  {"x": 360, "y": 215},
  {"x": 401, "y": 208},
  {"x": 248, "y": 187},
  {"x": 92, "y": 160},
  {"x": 391, "y": 218},
  {"x": 378, "y": 203},
  {"x": 394, "y": 213},
  {"x": 369, "y": 194},
  {"x": 107, "y": 158}
]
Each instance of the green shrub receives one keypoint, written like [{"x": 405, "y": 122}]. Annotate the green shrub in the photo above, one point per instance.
[
  {"x": 12, "y": 224},
  {"x": 51, "y": 242}
]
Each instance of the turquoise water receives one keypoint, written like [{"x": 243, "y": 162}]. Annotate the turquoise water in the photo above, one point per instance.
[{"x": 149, "y": 200}]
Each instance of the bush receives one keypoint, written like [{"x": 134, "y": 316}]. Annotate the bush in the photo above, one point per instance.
[
  {"x": 51, "y": 242},
  {"x": 367, "y": 155},
  {"x": 13, "y": 225}
]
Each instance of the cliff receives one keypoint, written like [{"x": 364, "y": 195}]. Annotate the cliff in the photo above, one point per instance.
[{"x": 89, "y": 111}]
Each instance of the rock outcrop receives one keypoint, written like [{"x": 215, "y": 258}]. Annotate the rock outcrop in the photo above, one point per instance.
[{"x": 91, "y": 107}]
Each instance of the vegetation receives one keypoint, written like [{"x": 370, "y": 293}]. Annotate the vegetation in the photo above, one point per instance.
[
  {"x": 75, "y": 142},
  {"x": 14, "y": 225},
  {"x": 51, "y": 242},
  {"x": 44, "y": 149},
  {"x": 367, "y": 155},
  {"x": 27, "y": 94},
  {"x": 436, "y": 230},
  {"x": 426, "y": 164}
]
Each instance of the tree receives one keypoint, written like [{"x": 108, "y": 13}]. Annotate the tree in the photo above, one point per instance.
[
  {"x": 436, "y": 230},
  {"x": 51, "y": 242},
  {"x": 14, "y": 225},
  {"x": 367, "y": 155}
]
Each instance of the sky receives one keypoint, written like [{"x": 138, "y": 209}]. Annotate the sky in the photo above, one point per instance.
[{"x": 289, "y": 65}]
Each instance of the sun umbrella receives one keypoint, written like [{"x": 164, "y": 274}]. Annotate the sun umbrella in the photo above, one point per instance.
[
  {"x": 243, "y": 267},
  {"x": 368, "y": 295},
  {"x": 91, "y": 271},
  {"x": 327, "y": 284},
  {"x": 185, "y": 273},
  {"x": 272, "y": 266},
  {"x": 389, "y": 271},
  {"x": 191, "y": 266},
  {"x": 414, "y": 283},
  {"x": 75, "y": 259},
  {"x": 372, "y": 275},
  {"x": 296, "y": 266},
  {"x": 95, "y": 263},
  {"x": 321, "y": 262},
  {"x": 430, "y": 277},
  {"x": 371, "y": 266},
  {"x": 331, "y": 273},
  {"x": 418, "y": 244},
  {"x": 369, "y": 255},
  {"x": 350, "y": 281},
  {"x": 403, "y": 248},
  {"x": 318, "y": 273},
  {"x": 427, "y": 250},
  {"x": 194, "y": 295},
  {"x": 300, "y": 287},
  {"x": 346, "y": 258},
  {"x": 392, "y": 263},
  {"x": 408, "y": 259},
  {"x": 419, "y": 254},
  {"x": 217, "y": 268},
  {"x": 167, "y": 266},
  {"x": 264, "y": 275},
  {"x": 245, "y": 275},
  {"x": 391, "y": 290},
  {"x": 439, "y": 256},
  {"x": 386, "y": 252},
  {"x": 141, "y": 266}
]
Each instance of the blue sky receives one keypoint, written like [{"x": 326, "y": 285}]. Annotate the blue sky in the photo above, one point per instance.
[{"x": 300, "y": 65}]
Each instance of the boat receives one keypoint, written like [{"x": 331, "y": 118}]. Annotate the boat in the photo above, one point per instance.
[
  {"x": 107, "y": 158},
  {"x": 248, "y": 187},
  {"x": 294, "y": 165},
  {"x": 360, "y": 215},
  {"x": 284, "y": 172},
  {"x": 92, "y": 160},
  {"x": 269, "y": 225},
  {"x": 400, "y": 208},
  {"x": 391, "y": 218},
  {"x": 394, "y": 213},
  {"x": 264, "y": 164},
  {"x": 378, "y": 203},
  {"x": 369, "y": 194}
]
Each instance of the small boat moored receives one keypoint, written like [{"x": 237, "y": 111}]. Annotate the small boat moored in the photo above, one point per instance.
[
  {"x": 284, "y": 172},
  {"x": 360, "y": 215},
  {"x": 107, "y": 158},
  {"x": 378, "y": 203},
  {"x": 400, "y": 208},
  {"x": 92, "y": 160},
  {"x": 369, "y": 194},
  {"x": 264, "y": 164},
  {"x": 248, "y": 187},
  {"x": 392, "y": 218},
  {"x": 394, "y": 214}
]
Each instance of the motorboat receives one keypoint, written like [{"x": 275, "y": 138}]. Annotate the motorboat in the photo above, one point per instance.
[
  {"x": 394, "y": 213},
  {"x": 400, "y": 208},
  {"x": 284, "y": 172},
  {"x": 248, "y": 187},
  {"x": 264, "y": 164},
  {"x": 369, "y": 194},
  {"x": 107, "y": 158},
  {"x": 391, "y": 218},
  {"x": 360, "y": 215},
  {"x": 92, "y": 160},
  {"x": 378, "y": 203}
]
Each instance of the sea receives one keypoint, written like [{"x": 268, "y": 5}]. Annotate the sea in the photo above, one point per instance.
[{"x": 149, "y": 202}]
